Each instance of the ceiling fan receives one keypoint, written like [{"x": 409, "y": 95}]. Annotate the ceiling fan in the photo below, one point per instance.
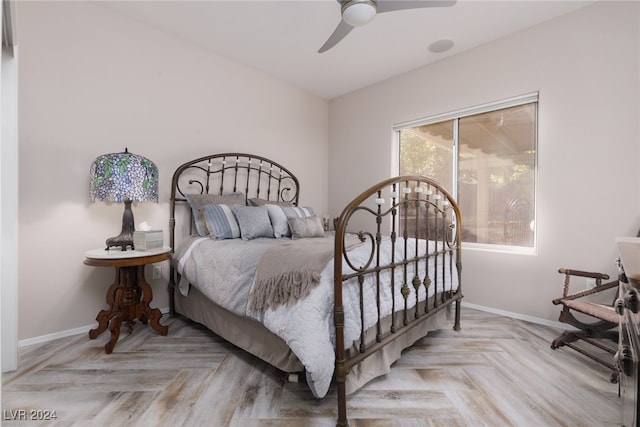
[{"x": 356, "y": 13}]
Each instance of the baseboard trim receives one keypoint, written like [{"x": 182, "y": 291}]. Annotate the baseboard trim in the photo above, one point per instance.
[
  {"x": 531, "y": 319},
  {"x": 85, "y": 329},
  {"x": 63, "y": 334}
]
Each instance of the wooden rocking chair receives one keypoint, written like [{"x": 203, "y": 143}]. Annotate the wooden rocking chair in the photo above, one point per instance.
[{"x": 601, "y": 332}]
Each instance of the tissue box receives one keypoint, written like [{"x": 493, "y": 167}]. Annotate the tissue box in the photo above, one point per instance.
[{"x": 146, "y": 240}]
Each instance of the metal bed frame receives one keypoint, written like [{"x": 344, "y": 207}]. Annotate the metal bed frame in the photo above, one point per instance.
[{"x": 411, "y": 210}]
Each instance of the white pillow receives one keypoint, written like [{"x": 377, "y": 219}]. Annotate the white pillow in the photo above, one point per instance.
[{"x": 278, "y": 221}]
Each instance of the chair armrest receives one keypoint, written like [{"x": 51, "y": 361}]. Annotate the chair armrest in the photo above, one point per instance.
[
  {"x": 569, "y": 272},
  {"x": 594, "y": 290}
]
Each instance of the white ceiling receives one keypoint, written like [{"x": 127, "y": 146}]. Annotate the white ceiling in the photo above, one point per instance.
[{"x": 281, "y": 38}]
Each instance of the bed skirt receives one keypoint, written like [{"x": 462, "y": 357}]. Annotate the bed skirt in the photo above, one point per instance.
[
  {"x": 243, "y": 332},
  {"x": 256, "y": 339}
]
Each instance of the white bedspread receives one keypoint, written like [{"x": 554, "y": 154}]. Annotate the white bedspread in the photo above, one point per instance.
[
  {"x": 306, "y": 326},
  {"x": 223, "y": 270}
]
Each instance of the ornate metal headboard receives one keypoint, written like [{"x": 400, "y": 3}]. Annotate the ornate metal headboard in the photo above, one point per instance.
[{"x": 254, "y": 176}]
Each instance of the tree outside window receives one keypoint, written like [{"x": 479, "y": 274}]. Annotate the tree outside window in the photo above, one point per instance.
[{"x": 487, "y": 161}]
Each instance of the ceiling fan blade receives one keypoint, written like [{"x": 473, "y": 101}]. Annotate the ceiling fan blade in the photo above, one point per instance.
[
  {"x": 392, "y": 5},
  {"x": 338, "y": 34}
]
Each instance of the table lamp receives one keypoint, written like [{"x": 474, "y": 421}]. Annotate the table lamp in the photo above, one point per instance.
[{"x": 123, "y": 178}]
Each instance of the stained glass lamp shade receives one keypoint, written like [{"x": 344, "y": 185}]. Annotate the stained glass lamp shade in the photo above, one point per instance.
[{"x": 123, "y": 178}]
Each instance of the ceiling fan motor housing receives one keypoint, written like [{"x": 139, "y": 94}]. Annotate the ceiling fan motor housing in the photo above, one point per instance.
[
  {"x": 356, "y": 13},
  {"x": 359, "y": 12}
]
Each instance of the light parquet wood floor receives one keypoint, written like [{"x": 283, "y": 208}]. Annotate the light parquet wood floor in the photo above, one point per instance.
[{"x": 497, "y": 371}]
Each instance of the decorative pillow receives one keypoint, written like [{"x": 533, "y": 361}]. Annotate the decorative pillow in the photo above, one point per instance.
[
  {"x": 278, "y": 221},
  {"x": 196, "y": 201},
  {"x": 255, "y": 201},
  {"x": 220, "y": 222},
  {"x": 306, "y": 227},
  {"x": 279, "y": 216},
  {"x": 296, "y": 212},
  {"x": 253, "y": 221}
]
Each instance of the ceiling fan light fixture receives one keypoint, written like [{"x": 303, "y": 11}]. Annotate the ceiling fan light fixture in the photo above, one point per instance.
[{"x": 358, "y": 13}]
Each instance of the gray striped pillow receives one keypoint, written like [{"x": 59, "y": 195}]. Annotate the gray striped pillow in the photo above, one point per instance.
[
  {"x": 197, "y": 201},
  {"x": 221, "y": 222},
  {"x": 296, "y": 212},
  {"x": 279, "y": 216}
]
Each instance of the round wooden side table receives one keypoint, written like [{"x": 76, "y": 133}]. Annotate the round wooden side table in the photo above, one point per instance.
[{"x": 130, "y": 294}]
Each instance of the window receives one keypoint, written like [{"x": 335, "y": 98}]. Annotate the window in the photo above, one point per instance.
[{"x": 486, "y": 158}]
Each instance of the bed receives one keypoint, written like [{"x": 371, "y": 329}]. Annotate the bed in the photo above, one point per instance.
[{"x": 335, "y": 300}]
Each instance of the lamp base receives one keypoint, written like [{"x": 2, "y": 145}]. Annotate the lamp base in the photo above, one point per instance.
[{"x": 125, "y": 238}]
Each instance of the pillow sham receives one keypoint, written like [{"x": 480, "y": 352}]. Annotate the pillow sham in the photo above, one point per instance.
[
  {"x": 256, "y": 201},
  {"x": 253, "y": 221},
  {"x": 306, "y": 227},
  {"x": 197, "y": 201},
  {"x": 220, "y": 221}
]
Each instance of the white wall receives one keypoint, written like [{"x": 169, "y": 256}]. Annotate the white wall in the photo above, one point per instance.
[
  {"x": 585, "y": 66},
  {"x": 93, "y": 82},
  {"x": 9, "y": 195}
]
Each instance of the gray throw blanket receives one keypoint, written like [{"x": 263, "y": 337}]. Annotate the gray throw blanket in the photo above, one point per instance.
[{"x": 289, "y": 271}]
